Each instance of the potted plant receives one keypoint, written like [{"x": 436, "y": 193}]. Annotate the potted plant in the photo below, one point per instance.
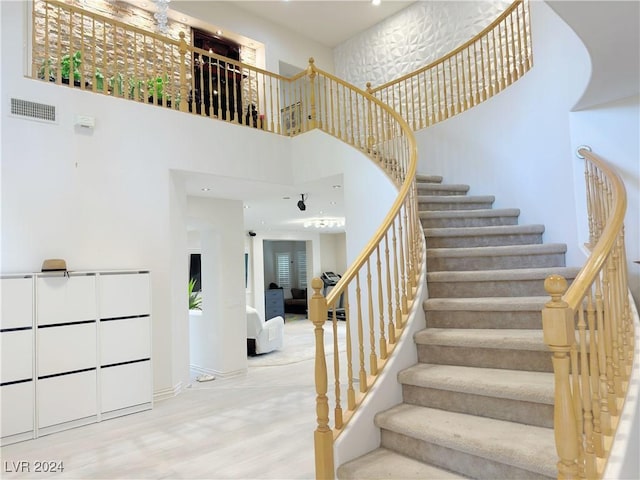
[
  {"x": 195, "y": 301},
  {"x": 69, "y": 62},
  {"x": 155, "y": 89}
]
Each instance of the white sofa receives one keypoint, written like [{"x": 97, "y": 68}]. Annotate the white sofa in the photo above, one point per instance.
[{"x": 268, "y": 335}]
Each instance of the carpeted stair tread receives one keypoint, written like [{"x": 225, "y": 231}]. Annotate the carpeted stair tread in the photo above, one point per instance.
[
  {"x": 428, "y": 178},
  {"x": 487, "y": 212},
  {"x": 498, "y": 251},
  {"x": 491, "y": 304},
  {"x": 489, "y": 230},
  {"x": 442, "y": 189},
  {"x": 503, "y": 275},
  {"x": 522, "y": 446},
  {"x": 462, "y": 199},
  {"x": 490, "y": 382},
  {"x": 496, "y": 339},
  {"x": 384, "y": 464}
]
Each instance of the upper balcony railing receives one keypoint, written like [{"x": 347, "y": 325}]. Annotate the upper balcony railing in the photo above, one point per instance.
[
  {"x": 477, "y": 70},
  {"x": 85, "y": 50}
]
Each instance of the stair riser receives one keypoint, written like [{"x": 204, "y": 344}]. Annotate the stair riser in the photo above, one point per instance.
[
  {"x": 503, "y": 262},
  {"x": 484, "y": 241},
  {"x": 529, "y": 413},
  {"x": 471, "y": 319},
  {"x": 499, "y": 288},
  {"x": 510, "y": 359},
  {"x": 453, "y": 206},
  {"x": 468, "y": 222},
  {"x": 453, "y": 460}
]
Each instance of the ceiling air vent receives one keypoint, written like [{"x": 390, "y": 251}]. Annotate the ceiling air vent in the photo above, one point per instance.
[{"x": 33, "y": 111}]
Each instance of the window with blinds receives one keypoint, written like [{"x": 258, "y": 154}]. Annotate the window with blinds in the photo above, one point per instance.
[
  {"x": 301, "y": 261},
  {"x": 283, "y": 270}
]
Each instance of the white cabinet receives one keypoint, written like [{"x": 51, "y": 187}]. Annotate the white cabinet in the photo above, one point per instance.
[
  {"x": 66, "y": 299},
  {"x": 17, "y": 352},
  {"x": 75, "y": 349},
  {"x": 67, "y": 398},
  {"x": 125, "y": 342}
]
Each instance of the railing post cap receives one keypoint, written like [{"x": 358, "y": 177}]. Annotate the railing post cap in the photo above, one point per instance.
[
  {"x": 555, "y": 285},
  {"x": 316, "y": 285}
]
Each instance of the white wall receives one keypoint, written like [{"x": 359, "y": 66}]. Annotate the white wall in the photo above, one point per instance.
[
  {"x": 412, "y": 38},
  {"x": 223, "y": 329},
  {"x": 333, "y": 248},
  {"x": 521, "y": 137},
  {"x": 281, "y": 44}
]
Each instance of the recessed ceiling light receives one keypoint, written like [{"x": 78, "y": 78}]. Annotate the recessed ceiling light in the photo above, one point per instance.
[
  {"x": 205, "y": 189},
  {"x": 286, "y": 198},
  {"x": 246, "y": 206},
  {"x": 335, "y": 187},
  {"x": 184, "y": 19},
  {"x": 218, "y": 32},
  {"x": 332, "y": 203},
  {"x": 375, "y": 2}
]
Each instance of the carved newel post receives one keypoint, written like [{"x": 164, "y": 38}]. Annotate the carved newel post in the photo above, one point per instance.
[
  {"x": 323, "y": 436},
  {"x": 559, "y": 335}
]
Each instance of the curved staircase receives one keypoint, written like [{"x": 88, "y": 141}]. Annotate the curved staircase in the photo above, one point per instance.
[{"x": 479, "y": 404}]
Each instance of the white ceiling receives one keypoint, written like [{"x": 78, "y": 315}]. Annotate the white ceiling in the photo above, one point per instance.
[
  {"x": 329, "y": 22},
  {"x": 266, "y": 207}
]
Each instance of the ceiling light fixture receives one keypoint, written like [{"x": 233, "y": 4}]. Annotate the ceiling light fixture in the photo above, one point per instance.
[
  {"x": 375, "y": 2},
  {"x": 301, "y": 205},
  {"x": 324, "y": 223},
  {"x": 205, "y": 189},
  {"x": 161, "y": 15}
]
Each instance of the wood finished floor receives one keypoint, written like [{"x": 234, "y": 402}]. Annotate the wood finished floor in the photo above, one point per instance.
[{"x": 256, "y": 426}]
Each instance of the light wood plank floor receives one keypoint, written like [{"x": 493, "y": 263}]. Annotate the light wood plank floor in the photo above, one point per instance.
[{"x": 256, "y": 426}]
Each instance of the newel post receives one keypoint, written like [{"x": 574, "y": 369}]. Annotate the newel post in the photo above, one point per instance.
[
  {"x": 311, "y": 72},
  {"x": 182, "y": 49},
  {"x": 323, "y": 436},
  {"x": 559, "y": 335}
]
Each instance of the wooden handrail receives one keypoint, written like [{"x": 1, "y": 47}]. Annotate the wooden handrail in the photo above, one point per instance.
[{"x": 606, "y": 242}]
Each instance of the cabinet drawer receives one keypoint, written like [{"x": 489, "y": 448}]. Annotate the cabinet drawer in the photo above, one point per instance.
[
  {"x": 17, "y": 355},
  {"x": 125, "y": 340},
  {"x": 66, "y": 398},
  {"x": 125, "y": 386},
  {"x": 64, "y": 299},
  {"x": 17, "y": 408},
  {"x": 17, "y": 302},
  {"x": 124, "y": 295},
  {"x": 66, "y": 348}
]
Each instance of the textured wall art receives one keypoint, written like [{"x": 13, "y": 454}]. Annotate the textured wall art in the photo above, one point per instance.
[{"x": 412, "y": 38}]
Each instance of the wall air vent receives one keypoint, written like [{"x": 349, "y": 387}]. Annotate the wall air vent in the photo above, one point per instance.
[{"x": 33, "y": 111}]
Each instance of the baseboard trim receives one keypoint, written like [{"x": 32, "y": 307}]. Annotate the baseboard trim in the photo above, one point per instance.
[{"x": 167, "y": 393}]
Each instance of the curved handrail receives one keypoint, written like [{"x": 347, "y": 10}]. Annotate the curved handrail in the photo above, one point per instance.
[
  {"x": 590, "y": 330},
  {"x": 468, "y": 75},
  {"x": 409, "y": 180},
  {"x": 606, "y": 239}
]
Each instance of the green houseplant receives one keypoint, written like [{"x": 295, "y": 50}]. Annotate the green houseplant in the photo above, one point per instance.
[
  {"x": 195, "y": 301},
  {"x": 69, "y": 63}
]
